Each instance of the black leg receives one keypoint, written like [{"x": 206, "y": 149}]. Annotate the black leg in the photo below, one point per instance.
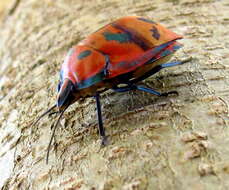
[
  {"x": 151, "y": 91},
  {"x": 172, "y": 64},
  {"x": 100, "y": 120},
  {"x": 158, "y": 68},
  {"x": 141, "y": 88},
  {"x": 125, "y": 89}
]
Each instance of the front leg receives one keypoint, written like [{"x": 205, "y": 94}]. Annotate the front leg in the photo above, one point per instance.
[{"x": 100, "y": 120}]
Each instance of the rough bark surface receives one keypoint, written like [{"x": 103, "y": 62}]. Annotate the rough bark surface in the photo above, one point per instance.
[{"x": 155, "y": 143}]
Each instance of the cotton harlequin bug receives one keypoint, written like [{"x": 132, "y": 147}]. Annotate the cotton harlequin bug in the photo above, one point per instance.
[{"x": 123, "y": 52}]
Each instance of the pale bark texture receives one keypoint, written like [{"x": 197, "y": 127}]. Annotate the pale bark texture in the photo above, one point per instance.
[{"x": 167, "y": 143}]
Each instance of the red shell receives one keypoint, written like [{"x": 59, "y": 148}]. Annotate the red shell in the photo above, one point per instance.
[{"x": 117, "y": 48}]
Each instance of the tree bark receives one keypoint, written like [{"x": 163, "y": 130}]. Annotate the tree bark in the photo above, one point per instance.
[{"x": 175, "y": 142}]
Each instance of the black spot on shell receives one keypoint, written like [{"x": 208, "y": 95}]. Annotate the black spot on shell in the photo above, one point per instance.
[
  {"x": 84, "y": 54},
  {"x": 146, "y": 20},
  {"x": 155, "y": 33},
  {"x": 134, "y": 37}
]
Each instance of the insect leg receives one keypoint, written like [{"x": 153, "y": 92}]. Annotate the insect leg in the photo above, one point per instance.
[
  {"x": 100, "y": 120},
  {"x": 158, "y": 68},
  {"x": 124, "y": 89},
  {"x": 171, "y": 64},
  {"x": 141, "y": 88},
  {"x": 151, "y": 91}
]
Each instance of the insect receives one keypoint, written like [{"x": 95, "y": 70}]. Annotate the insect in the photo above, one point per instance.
[{"x": 124, "y": 53}]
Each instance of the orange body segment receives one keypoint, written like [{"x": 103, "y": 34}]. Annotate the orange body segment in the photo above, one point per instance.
[
  {"x": 117, "y": 48},
  {"x": 82, "y": 62}
]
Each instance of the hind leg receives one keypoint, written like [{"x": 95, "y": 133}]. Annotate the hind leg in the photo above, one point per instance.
[
  {"x": 131, "y": 85},
  {"x": 158, "y": 68},
  {"x": 141, "y": 88}
]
